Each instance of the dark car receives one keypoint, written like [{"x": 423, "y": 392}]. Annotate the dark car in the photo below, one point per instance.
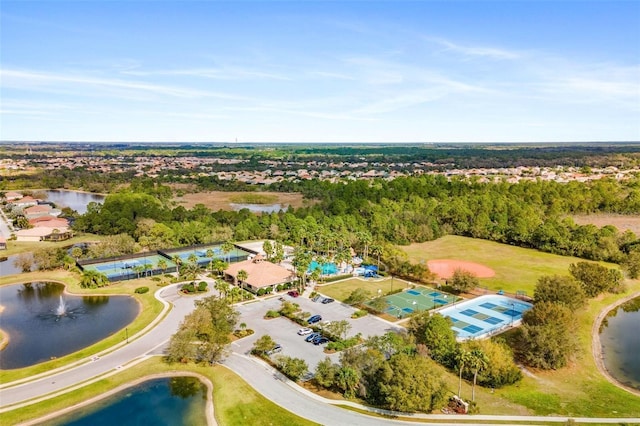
[
  {"x": 318, "y": 337},
  {"x": 327, "y": 300},
  {"x": 314, "y": 319},
  {"x": 293, "y": 293},
  {"x": 312, "y": 336},
  {"x": 321, "y": 341}
]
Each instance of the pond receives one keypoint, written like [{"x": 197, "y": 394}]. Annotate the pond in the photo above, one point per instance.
[
  {"x": 620, "y": 342},
  {"x": 44, "y": 323},
  {"x": 8, "y": 267},
  {"x": 171, "y": 401},
  {"x": 260, "y": 208},
  {"x": 77, "y": 201}
]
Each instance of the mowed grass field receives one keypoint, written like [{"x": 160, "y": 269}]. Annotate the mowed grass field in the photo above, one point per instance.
[
  {"x": 340, "y": 290},
  {"x": 516, "y": 268}
]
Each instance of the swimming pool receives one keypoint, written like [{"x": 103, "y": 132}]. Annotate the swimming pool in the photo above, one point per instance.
[
  {"x": 485, "y": 315},
  {"x": 325, "y": 268}
]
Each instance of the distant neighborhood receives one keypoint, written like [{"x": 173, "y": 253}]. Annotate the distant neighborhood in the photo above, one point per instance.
[{"x": 42, "y": 221}]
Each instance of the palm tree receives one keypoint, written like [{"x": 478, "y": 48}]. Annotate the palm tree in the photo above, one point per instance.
[
  {"x": 193, "y": 258},
  {"x": 233, "y": 292},
  {"x": 376, "y": 250},
  {"x": 162, "y": 265},
  {"x": 138, "y": 269},
  {"x": 462, "y": 357},
  {"x": 219, "y": 266},
  {"x": 226, "y": 248},
  {"x": 178, "y": 261},
  {"x": 210, "y": 255},
  {"x": 93, "y": 279},
  {"x": 477, "y": 361},
  {"x": 242, "y": 276},
  {"x": 222, "y": 287}
]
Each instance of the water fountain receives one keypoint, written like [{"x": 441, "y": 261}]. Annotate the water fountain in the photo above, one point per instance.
[{"x": 62, "y": 308}]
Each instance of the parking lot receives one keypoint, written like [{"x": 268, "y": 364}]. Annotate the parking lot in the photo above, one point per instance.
[{"x": 284, "y": 331}]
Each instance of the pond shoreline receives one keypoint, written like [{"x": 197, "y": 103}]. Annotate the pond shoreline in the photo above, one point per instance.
[{"x": 596, "y": 346}]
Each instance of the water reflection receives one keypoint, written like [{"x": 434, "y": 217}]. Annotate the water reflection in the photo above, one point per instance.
[
  {"x": 38, "y": 329},
  {"x": 177, "y": 401},
  {"x": 621, "y": 343}
]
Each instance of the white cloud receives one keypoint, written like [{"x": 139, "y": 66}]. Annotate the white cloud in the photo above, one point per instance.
[{"x": 478, "y": 51}]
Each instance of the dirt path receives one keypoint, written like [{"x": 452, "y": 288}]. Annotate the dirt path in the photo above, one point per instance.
[{"x": 596, "y": 346}]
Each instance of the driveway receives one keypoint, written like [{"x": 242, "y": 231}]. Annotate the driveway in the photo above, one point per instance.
[{"x": 284, "y": 331}]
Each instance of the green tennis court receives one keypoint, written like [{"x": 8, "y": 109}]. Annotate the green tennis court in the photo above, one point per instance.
[{"x": 405, "y": 303}]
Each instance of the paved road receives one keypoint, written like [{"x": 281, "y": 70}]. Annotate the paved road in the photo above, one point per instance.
[
  {"x": 108, "y": 363},
  {"x": 260, "y": 376}
]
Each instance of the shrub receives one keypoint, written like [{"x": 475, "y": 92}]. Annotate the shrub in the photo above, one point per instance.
[
  {"x": 261, "y": 292},
  {"x": 272, "y": 314},
  {"x": 359, "y": 314},
  {"x": 141, "y": 290},
  {"x": 202, "y": 286},
  {"x": 188, "y": 288}
]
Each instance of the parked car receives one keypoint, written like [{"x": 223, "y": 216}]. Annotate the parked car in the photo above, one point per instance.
[
  {"x": 321, "y": 341},
  {"x": 293, "y": 293},
  {"x": 304, "y": 331},
  {"x": 314, "y": 319},
  {"x": 311, "y": 337},
  {"x": 275, "y": 350},
  {"x": 318, "y": 337},
  {"x": 327, "y": 300}
]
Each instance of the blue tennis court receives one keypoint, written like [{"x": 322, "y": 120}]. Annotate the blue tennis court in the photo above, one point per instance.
[
  {"x": 126, "y": 269},
  {"x": 485, "y": 315}
]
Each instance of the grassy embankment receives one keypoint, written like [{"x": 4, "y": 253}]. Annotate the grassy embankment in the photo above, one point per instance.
[
  {"x": 576, "y": 390},
  {"x": 16, "y": 247},
  {"x": 254, "y": 198},
  {"x": 150, "y": 307},
  {"x": 235, "y": 402}
]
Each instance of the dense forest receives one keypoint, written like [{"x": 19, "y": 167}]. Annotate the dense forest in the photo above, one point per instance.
[{"x": 374, "y": 214}]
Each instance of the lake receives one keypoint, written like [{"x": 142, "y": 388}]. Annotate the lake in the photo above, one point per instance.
[
  {"x": 77, "y": 201},
  {"x": 39, "y": 329},
  {"x": 259, "y": 208},
  {"x": 174, "y": 401},
  {"x": 620, "y": 342}
]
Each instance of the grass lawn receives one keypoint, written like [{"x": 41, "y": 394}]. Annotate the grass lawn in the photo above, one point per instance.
[
  {"x": 235, "y": 402},
  {"x": 15, "y": 247},
  {"x": 340, "y": 290},
  {"x": 149, "y": 309},
  {"x": 516, "y": 268}
]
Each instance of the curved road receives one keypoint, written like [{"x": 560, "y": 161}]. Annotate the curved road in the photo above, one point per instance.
[{"x": 259, "y": 375}]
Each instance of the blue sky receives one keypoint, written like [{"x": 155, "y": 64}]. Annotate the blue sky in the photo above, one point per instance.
[{"x": 361, "y": 71}]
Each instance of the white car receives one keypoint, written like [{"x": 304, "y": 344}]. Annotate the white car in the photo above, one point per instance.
[{"x": 304, "y": 331}]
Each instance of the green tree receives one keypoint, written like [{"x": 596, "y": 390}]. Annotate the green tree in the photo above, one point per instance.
[
  {"x": 24, "y": 262},
  {"x": 462, "y": 358},
  {"x": 347, "y": 380},
  {"x": 596, "y": 278},
  {"x": 219, "y": 266},
  {"x": 547, "y": 338},
  {"x": 242, "y": 277},
  {"x": 463, "y": 280},
  {"x": 338, "y": 329},
  {"x": 357, "y": 296},
  {"x": 500, "y": 369},
  {"x": 264, "y": 344},
  {"x": 293, "y": 368},
  {"x": 631, "y": 264},
  {"x": 477, "y": 362},
  {"x": 326, "y": 372},
  {"x": 226, "y": 248},
  {"x": 435, "y": 332},
  {"x": 162, "y": 265},
  {"x": 205, "y": 333},
  {"x": 93, "y": 279},
  {"x": 560, "y": 289},
  {"x": 222, "y": 287},
  {"x": 407, "y": 383},
  {"x": 267, "y": 247}
]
